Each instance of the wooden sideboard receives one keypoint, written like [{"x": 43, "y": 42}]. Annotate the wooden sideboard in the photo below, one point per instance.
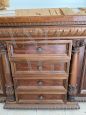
[{"x": 43, "y": 61}]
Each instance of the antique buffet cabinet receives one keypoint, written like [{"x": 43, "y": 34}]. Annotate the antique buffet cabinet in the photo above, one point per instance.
[{"x": 43, "y": 60}]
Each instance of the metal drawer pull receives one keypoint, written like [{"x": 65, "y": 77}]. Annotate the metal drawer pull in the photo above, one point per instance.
[
  {"x": 41, "y": 97},
  {"x": 40, "y": 83},
  {"x": 39, "y": 49},
  {"x": 39, "y": 68}
]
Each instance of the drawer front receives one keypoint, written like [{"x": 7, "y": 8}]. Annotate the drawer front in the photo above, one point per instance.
[
  {"x": 55, "y": 47},
  {"x": 39, "y": 82},
  {"x": 27, "y": 67},
  {"x": 41, "y": 89},
  {"x": 40, "y": 98}
]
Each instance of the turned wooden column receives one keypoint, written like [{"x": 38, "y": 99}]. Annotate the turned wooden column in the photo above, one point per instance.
[
  {"x": 7, "y": 74},
  {"x": 72, "y": 91}
]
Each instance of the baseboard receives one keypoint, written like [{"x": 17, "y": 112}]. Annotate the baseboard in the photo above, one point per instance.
[
  {"x": 68, "y": 105},
  {"x": 2, "y": 99},
  {"x": 80, "y": 99}
]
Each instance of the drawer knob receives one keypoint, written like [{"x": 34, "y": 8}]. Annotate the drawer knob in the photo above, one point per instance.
[
  {"x": 39, "y": 49},
  {"x": 41, "y": 97},
  {"x": 39, "y": 68},
  {"x": 40, "y": 83}
]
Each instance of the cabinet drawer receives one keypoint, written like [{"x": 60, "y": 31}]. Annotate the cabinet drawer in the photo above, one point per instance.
[
  {"x": 39, "y": 82},
  {"x": 47, "y": 47},
  {"x": 40, "y": 98},
  {"x": 48, "y": 76},
  {"x": 27, "y": 67},
  {"x": 40, "y": 94},
  {"x": 41, "y": 89}
]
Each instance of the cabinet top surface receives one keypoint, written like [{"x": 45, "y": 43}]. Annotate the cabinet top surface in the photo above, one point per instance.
[
  {"x": 65, "y": 23},
  {"x": 46, "y": 15},
  {"x": 50, "y": 12}
]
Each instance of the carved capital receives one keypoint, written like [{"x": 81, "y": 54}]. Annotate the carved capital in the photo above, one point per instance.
[
  {"x": 77, "y": 44},
  {"x": 82, "y": 43},
  {"x": 2, "y": 46}
]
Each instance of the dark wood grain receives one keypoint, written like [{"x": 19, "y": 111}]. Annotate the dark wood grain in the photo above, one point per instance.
[
  {"x": 26, "y": 67},
  {"x": 40, "y": 98},
  {"x": 36, "y": 59}
]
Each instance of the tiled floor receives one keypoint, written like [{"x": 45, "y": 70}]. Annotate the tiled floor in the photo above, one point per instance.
[{"x": 81, "y": 111}]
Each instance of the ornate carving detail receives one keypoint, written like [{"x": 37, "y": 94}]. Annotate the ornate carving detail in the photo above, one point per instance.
[
  {"x": 10, "y": 93},
  {"x": 77, "y": 44},
  {"x": 72, "y": 90},
  {"x": 40, "y": 32},
  {"x": 8, "y": 77},
  {"x": 82, "y": 43},
  {"x": 2, "y": 46}
]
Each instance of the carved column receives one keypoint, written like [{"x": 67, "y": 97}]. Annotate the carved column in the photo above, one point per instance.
[
  {"x": 7, "y": 74},
  {"x": 72, "y": 91}
]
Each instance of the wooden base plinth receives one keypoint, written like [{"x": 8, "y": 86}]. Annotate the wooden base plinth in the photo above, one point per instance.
[
  {"x": 80, "y": 99},
  {"x": 68, "y": 105},
  {"x": 2, "y": 99}
]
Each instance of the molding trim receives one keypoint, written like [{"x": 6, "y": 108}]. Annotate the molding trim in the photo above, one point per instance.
[
  {"x": 79, "y": 20},
  {"x": 29, "y": 32},
  {"x": 69, "y": 105},
  {"x": 2, "y": 99},
  {"x": 80, "y": 99}
]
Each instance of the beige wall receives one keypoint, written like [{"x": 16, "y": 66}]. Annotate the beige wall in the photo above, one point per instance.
[{"x": 4, "y": 4}]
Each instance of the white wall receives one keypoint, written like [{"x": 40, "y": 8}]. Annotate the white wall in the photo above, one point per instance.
[{"x": 28, "y": 4}]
